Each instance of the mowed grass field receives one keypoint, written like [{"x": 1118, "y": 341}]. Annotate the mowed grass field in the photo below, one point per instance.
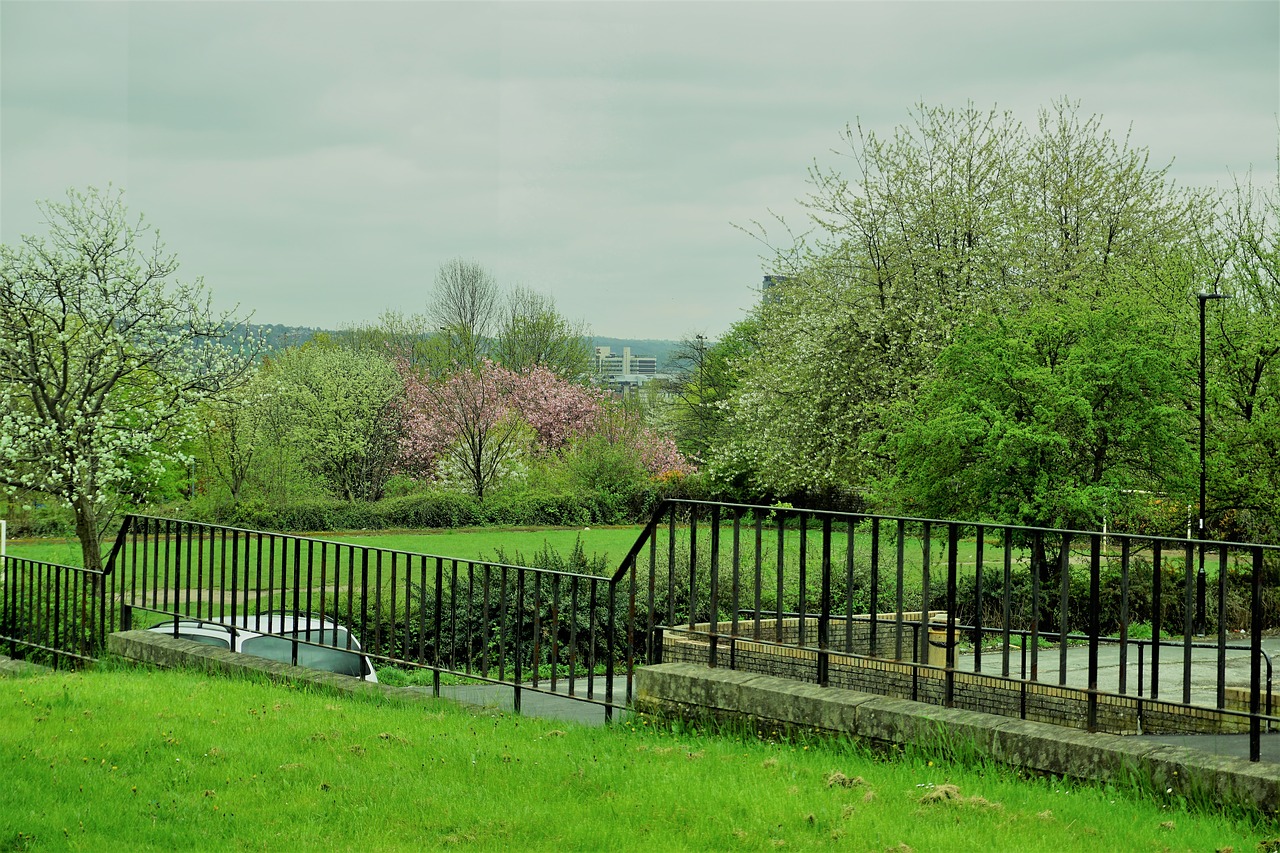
[
  {"x": 117, "y": 758},
  {"x": 610, "y": 543}
]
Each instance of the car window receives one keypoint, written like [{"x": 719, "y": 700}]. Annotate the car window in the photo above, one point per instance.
[{"x": 337, "y": 637}]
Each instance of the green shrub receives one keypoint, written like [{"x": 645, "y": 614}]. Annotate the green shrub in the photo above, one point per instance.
[
  {"x": 483, "y": 617},
  {"x": 44, "y": 517},
  {"x": 534, "y": 507},
  {"x": 438, "y": 508}
]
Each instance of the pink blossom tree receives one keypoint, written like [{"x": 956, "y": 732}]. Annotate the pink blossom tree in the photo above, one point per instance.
[
  {"x": 465, "y": 417},
  {"x": 475, "y": 418},
  {"x": 555, "y": 408}
]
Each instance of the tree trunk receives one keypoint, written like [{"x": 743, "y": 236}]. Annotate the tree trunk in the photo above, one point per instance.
[
  {"x": 87, "y": 532},
  {"x": 1046, "y": 563},
  {"x": 91, "y": 549}
]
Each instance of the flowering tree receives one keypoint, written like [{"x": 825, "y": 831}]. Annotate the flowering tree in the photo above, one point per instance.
[
  {"x": 556, "y": 409},
  {"x": 474, "y": 418},
  {"x": 343, "y": 407},
  {"x": 102, "y": 359},
  {"x": 465, "y": 417},
  {"x": 659, "y": 454}
]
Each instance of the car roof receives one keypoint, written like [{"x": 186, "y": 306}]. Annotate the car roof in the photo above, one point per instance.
[{"x": 277, "y": 621}]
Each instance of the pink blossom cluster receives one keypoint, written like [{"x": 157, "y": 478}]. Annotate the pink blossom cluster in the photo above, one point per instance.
[
  {"x": 556, "y": 409},
  {"x": 469, "y": 405},
  {"x": 659, "y": 455}
]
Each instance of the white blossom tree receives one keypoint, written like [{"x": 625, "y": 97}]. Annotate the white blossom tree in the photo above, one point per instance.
[
  {"x": 958, "y": 215},
  {"x": 103, "y": 356},
  {"x": 343, "y": 409}
]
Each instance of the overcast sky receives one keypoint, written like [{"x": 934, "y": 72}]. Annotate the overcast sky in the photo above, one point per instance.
[{"x": 316, "y": 162}]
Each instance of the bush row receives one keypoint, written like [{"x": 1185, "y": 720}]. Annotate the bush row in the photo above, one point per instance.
[{"x": 436, "y": 509}]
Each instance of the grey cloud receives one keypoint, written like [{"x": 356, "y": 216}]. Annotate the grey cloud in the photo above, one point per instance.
[{"x": 317, "y": 161}]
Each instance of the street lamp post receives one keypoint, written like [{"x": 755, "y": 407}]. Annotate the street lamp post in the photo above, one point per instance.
[{"x": 1200, "y": 576}]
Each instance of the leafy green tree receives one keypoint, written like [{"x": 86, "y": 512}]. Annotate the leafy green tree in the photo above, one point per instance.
[
  {"x": 394, "y": 335},
  {"x": 532, "y": 333},
  {"x": 1052, "y": 418},
  {"x": 1244, "y": 357},
  {"x": 104, "y": 357},
  {"x": 232, "y": 438},
  {"x": 343, "y": 410},
  {"x": 1096, "y": 216},
  {"x": 704, "y": 378}
]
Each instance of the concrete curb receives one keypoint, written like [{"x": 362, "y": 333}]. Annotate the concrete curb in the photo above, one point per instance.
[
  {"x": 694, "y": 690},
  {"x": 156, "y": 649},
  {"x": 10, "y": 668}
]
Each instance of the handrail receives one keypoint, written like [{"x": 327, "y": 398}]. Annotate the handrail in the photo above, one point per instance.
[
  {"x": 991, "y": 525},
  {"x": 342, "y": 544},
  {"x": 649, "y": 529},
  {"x": 47, "y": 564}
]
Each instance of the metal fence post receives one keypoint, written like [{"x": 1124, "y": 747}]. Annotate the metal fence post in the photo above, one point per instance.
[
  {"x": 824, "y": 616},
  {"x": 949, "y": 675}
]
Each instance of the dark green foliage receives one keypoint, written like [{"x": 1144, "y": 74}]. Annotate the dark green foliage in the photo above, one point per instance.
[
  {"x": 1140, "y": 610},
  {"x": 1053, "y": 418},
  {"x": 485, "y": 624},
  {"x": 612, "y": 494},
  {"x": 42, "y": 518},
  {"x": 425, "y": 510}
]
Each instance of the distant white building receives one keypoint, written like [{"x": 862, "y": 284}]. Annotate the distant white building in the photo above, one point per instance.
[{"x": 625, "y": 370}]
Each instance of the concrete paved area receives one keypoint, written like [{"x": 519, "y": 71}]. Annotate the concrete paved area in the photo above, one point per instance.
[
  {"x": 533, "y": 703},
  {"x": 1170, "y": 683},
  {"x": 1172, "y": 669}
]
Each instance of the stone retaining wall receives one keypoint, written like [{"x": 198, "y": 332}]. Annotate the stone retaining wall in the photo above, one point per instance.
[{"x": 988, "y": 694}]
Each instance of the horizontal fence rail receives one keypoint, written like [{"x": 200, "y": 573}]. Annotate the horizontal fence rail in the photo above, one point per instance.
[{"x": 965, "y": 614}]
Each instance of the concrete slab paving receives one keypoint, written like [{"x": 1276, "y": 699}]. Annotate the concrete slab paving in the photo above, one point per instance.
[
  {"x": 535, "y": 703},
  {"x": 1172, "y": 668},
  {"x": 1169, "y": 685}
]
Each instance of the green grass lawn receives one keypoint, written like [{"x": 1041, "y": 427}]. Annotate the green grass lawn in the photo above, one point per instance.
[
  {"x": 124, "y": 759},
  {"x": 610, "y": 543}
]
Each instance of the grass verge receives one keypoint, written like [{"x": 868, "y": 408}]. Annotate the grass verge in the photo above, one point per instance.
[{"x": 118, "y": 758}]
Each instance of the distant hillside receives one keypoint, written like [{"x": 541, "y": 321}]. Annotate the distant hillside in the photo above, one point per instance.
[{"x": 279, "y": 337}]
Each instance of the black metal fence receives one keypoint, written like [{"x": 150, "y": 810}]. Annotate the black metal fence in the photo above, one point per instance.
[
  {"x": 536, "y": 629},
  {"x": 51, "y": 612},
  {"x": 1019, "y": 606},
  {"x": 947, "y": 598}
]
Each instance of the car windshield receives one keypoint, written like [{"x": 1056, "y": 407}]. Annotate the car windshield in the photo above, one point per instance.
[
  {"x": 316, "y": 657},
  {"x": 198, "y": 632},
  {"x": 220, "y": 642}
]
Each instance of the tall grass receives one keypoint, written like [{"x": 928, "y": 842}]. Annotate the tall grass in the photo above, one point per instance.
[{"x": 139, "y": 760}]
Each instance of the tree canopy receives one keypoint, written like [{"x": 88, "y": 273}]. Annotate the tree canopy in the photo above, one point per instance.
[
  {"x": 959, "y": 249},
  {"x": 103, "y": 356}
]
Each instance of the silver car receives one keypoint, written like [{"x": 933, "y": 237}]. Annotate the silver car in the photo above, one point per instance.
[{"x": 338, "y": 651}]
